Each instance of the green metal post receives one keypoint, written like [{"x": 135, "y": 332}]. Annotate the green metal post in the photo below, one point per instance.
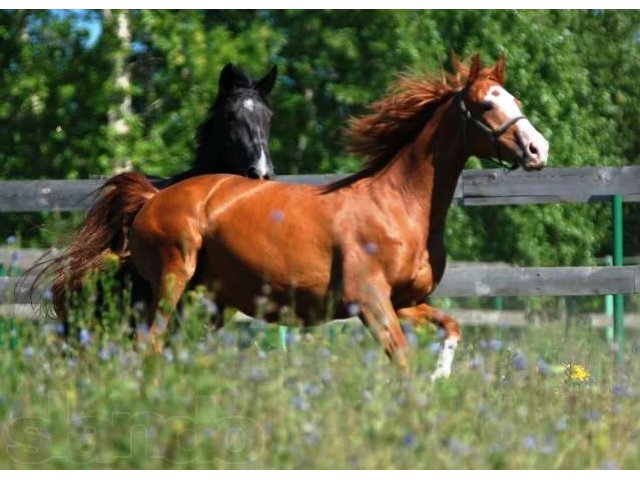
[
  {"x": 618, "y": 299},
  {"x": 498, "y": 303}
]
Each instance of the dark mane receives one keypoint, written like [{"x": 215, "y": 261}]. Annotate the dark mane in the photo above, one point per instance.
[{"x": 395, "y": 121}]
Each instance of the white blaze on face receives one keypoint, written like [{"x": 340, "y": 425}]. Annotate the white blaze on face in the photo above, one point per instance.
[
  {"x": 262, "y": 166},
  {"x": 536, "y": 147},
  {"x": 248, "y": 104}
]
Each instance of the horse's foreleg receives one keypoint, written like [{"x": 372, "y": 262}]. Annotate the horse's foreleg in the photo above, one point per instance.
[{"x": 423, "y": 314}]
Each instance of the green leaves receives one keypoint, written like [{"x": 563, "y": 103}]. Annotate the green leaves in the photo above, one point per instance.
[{"x": 575, "y": 71}]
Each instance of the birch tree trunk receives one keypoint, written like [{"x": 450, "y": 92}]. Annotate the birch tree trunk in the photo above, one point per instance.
[{"x": 120, "y": 112}]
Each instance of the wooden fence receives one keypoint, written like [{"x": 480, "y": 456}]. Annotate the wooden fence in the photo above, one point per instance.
[{"x": 476, "y": 188}]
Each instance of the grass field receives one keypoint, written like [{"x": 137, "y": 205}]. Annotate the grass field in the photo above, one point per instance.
[{"x": 234, "y": 399}]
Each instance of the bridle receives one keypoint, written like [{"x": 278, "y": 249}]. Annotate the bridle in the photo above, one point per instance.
[{"x": 494, "y": 133}]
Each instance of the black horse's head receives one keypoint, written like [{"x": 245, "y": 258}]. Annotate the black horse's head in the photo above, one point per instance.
[{"x": 235, "y": 136}]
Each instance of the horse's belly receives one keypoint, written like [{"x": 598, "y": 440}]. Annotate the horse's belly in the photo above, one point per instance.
[{"x": 258, "y": 281}]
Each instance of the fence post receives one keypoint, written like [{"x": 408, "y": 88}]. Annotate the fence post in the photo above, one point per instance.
[
  {"x": 282, "y": 337},
  {"x": 608, "y": 304},
  {"x": 618, "y": 299}
]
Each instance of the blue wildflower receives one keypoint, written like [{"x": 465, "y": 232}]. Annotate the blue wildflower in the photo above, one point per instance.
[
  {"x": 543, "y": 367},
  {"x": 495, "y": 345},
  {"x": 529, "y": 442},
  {"x": 85, "y": 337},
  {"x": 520, "y": 361},
  {"x": 300, "y": 403},
  {"x": 28, "y": 352},
  {"x": 609, "y": 464},
  {"x": 409, "y": 441},
  {"x": 209, "y": 305}
]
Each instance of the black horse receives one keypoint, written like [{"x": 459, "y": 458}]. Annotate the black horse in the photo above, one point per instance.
[{"x": 232, "y": 139}]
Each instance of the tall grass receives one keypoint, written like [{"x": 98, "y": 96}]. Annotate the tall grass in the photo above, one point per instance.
[{"x": 234, "y": 399}]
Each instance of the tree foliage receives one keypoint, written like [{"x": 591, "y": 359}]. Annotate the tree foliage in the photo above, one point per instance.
[{"x": 575, "y": 71}]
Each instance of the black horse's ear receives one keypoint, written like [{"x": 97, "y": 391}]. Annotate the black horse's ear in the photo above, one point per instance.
[
  {"x": 233, "y": 76},
  {"x": 227, "y": 78},
  {"x": 266, "y": 83}
]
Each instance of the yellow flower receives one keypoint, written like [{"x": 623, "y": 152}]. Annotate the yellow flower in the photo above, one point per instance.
[{"x": 576, "y": 372}]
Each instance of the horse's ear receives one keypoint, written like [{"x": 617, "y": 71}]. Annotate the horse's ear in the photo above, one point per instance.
[
  {"x": 498, "y": 70},
  {"x": 227, "y": 78},
  {"x": 266, "y": 83},
  {"x": 474, "y": 71}
]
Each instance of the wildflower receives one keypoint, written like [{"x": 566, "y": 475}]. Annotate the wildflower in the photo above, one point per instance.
[
  {"x": 457, "y": 447},
  {"x": 104, "y": 354},
  {"x": 326, "y": 376},
  {"x": 412, "y": 338},
  {"x": 409, "y": 441},
  {"x": 495, "y": 345},
  {"x": 592, "y": 416},
  {"x": 257, "y": 374},
  {"x": 11, "y": 240},
  {"x": 543, "y": 367},
  {"x": 529, "y": 442},
  {"x": 576, "y": 373},
  {"x": 371, "y": 356},
  {"x": 28, "y": 353},
  {"x": 520, "y": 361},
  {"x": 618, "y": 390},
  {"x": 609, "y": 464},
  {"x": 210, "y": 306},
  {"x": 434, "y": 347},
  {"x": 85, "y": 337},
  {"x": 300, "y": 403},
  {"x": 476, "y": 362}
]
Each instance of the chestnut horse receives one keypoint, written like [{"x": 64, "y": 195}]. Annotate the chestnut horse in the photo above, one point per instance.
[{"x": 371, "y": 243}]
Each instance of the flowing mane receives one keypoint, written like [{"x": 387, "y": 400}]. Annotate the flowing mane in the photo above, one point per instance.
[{"x": 396, "y": 119}]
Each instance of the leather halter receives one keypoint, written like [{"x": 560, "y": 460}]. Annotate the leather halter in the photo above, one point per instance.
[{"x": 494, "y": 133}]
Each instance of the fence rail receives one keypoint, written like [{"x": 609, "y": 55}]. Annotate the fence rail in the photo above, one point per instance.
[{"x": 476, "y": 187}]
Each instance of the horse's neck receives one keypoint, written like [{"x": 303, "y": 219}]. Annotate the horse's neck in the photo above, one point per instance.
[
  {"x": 425, "y": 173},
  {"x": 210, "y": 150}
]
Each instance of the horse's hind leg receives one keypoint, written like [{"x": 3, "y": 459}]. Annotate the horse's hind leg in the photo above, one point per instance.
[
  {"x": 178, "y": 266},
  {"x": 423, "y": 314}
]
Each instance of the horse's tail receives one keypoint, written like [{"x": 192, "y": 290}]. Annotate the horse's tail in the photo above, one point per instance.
[{"x": 103, "y": 232}]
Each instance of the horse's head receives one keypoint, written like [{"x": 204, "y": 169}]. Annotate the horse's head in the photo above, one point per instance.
[
  {"x": 494, "y": 125},
  {"x": 237, "y": 131}
]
